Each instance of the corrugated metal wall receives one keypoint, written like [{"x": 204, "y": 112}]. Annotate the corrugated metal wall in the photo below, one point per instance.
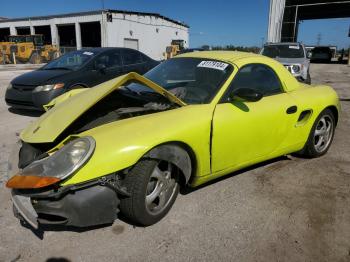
[{"x": 275, "y": 20}]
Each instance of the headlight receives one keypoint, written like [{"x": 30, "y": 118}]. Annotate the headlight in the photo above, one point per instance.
[
  {"x": 48, "y": 87},
  {"x": 296, "y": 68},
  {"x": 9, "y": 86},
  {"x": 56, "y": 167}
]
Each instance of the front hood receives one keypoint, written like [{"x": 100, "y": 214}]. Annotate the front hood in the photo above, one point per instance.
[
  {"x": 51, "y": 124},
  {"x": 289, "y": 61},
  {"x": 38, "y": 77}
]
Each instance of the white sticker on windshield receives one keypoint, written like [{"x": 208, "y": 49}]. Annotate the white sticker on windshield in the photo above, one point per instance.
[
  {"x": 294, "y": 47},
  {"x": 213, "y": 64},
  {"x": 88, "y": 53}
]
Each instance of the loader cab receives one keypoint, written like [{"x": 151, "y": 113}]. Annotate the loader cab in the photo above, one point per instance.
[{"x": 37, "y": 40}]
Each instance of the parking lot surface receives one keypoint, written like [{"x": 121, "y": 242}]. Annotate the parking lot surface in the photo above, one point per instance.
[{"x": 288, "y": 209}]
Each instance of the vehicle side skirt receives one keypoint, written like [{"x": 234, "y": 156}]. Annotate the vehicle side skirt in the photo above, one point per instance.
[{"x": 204, "y": 179}]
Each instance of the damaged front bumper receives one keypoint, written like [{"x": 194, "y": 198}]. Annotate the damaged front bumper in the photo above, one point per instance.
[
  {"x": 84, "y": 206},
  {"x": 90, "y": 203},
  {"x": 23, "y": 209}
]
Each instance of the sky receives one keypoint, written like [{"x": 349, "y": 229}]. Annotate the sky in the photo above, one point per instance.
[{"x": 219, "y": 22}]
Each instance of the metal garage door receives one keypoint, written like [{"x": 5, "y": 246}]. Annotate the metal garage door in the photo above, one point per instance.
[{"x": 131, "y": 43}]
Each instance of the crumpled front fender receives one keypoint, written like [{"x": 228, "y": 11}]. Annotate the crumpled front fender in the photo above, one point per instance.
[{"x": 120, "y": 144}]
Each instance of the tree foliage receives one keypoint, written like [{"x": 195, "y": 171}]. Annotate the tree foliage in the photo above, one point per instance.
[{"x": 252, "y": 49}]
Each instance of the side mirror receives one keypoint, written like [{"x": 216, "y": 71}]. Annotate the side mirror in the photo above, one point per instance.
[
  {"x": 309, "y": 54},
  {"x": 101, "y": 67},
  {"x": 246, "y": 94}
]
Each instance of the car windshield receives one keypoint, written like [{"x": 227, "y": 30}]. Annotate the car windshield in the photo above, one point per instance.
[
  {"x": 321, "y": 50},
  {"x": 283, "y": 51},
  {"x": 71, "y": 61},
  {"x": 193, "y": 80}
]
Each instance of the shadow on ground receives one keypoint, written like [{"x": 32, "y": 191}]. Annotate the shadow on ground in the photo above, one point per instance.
[{"x": 341, "y": 62}]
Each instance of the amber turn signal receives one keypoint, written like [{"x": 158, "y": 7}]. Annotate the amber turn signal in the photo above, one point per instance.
[
  {"x": 26, "y": 182},
  {"x": 58, "y": 86}
]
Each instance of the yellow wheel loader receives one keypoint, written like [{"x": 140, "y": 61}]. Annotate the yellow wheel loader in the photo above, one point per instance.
[
  {"x": 26, "y": 48},
  {"x": 173, "y": 49}
]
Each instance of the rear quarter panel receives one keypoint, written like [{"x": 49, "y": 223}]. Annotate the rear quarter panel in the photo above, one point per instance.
[{"x": 314, "y": 98}]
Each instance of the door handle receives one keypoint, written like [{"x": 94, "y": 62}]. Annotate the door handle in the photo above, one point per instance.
[{"x": 292, "y": 110}]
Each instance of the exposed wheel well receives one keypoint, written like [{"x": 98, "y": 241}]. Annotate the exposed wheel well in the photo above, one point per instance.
[
  {"x": 185, "y": 176},
  {"x": 335, "y": 113}
]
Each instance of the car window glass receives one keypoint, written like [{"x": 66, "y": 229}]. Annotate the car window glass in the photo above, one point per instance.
[
  {"x": 114, "y": 59},
  {"x": 283, "y": 51},
  {"x": 102, "y": 60},
  {"x": 131, "y": 57},
  {"x": 144, "y": 58},
  {"x": 110, "y": 60},
  {"x": 193, "y": 80},
  {"x": 258, "y": 77},
  {"x": 72, "y": 60}
]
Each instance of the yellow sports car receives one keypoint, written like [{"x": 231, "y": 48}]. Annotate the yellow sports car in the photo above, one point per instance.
[{"x": 129, "y": 144}]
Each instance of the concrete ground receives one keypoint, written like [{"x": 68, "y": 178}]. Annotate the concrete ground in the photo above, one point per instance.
[{"x": 289, "y": 209}]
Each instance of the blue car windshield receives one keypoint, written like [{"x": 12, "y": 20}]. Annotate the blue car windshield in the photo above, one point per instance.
[
  {"x": 193, "y": 80},
  {"x": 70, "y": 61}
]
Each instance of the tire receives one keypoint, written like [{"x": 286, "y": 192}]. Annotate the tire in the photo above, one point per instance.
[
  {"x": 35, "y": 58},
  {"x": 321, "y": 135},
  {"x": 144, "y": 182},
  {"x": 308, "y": 79}
]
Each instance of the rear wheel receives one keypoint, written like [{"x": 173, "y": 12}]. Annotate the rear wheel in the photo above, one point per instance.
[
  {"x": 154, "y": 187},
  {"x": 321, "y": 135}
]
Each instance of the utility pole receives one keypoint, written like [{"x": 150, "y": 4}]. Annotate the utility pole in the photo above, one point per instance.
[
  {"x": 103, "y": 4},
  {"x": 349, "y": 49},
  {"x": 319, "y": 37}
]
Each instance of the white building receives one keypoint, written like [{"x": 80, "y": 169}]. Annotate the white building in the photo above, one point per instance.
[{"x": 148, "y": 32}]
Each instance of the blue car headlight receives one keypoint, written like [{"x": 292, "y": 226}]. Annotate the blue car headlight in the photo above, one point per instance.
[{"x": 45, "y": 88}]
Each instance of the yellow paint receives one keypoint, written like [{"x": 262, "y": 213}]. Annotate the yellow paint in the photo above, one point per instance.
[
  {"x": 50, "y": 125},
  {"x": 243, "y": 133}
]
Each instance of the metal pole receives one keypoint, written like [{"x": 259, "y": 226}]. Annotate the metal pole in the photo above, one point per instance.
[
  {"x": 14, "y": 58},
  {"x": 295, "y": 23}
]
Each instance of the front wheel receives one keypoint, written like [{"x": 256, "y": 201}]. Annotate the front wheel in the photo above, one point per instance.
[
  {"x": 321, "y": 135},
  {"x": 154, "y": 186}
]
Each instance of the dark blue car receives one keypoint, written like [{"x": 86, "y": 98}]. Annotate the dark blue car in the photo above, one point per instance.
[{"x": 84, "y": 68}]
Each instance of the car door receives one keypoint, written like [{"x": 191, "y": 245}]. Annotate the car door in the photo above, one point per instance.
[
  {"x": 133, "y": 62},
  {"x": 244, "y": 132}
]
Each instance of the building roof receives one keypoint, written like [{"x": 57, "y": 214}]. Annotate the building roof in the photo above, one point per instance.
[{"x": 93, "y": 13}]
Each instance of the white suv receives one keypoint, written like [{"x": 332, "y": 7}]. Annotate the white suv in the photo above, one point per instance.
[{"x": 293, "y": 56}]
